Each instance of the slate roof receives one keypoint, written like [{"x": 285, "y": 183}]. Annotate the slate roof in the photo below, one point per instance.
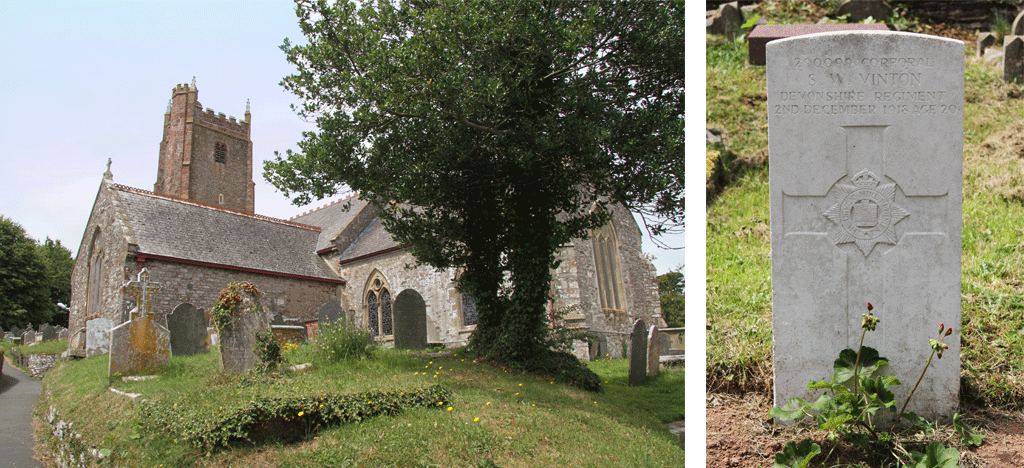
[
  {"x": 372, "y": 240},
  {"x": 171, "y": 228},
  {"x": 331, "y": 219}
]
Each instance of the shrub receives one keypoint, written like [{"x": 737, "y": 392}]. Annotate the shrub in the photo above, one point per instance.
[
  {"x": 268, "y": 350},
  {"x": 341, "y": 340}
]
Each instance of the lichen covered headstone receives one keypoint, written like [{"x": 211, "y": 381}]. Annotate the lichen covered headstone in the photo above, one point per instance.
[
  {"x": 141, "y": 344},
  {"x": 187, "y": 325},
  {"x": 239, "y": 315},
  {"x": 638, "y": 353}
]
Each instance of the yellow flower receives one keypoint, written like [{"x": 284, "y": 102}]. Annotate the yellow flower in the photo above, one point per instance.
[
  {"x": 517, "y": 393},
  {"x": 449, "y": 408},
  {"x": 520, "y": 385},
  {"x": 301, "y": 413},
  {"x": 435, "y": 376},
  {"x": 476, "y": 419},
  {"x": 488, "y": 403},
  {"x": 440, "y": 403}
]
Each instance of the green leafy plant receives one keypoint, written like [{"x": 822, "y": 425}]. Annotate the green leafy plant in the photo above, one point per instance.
[
  {"x": 226, "y": 310},
  {"x": 268, "y": 350},
  {"x": 856, "y": 401},
  {"x": 341, "y": 340}
]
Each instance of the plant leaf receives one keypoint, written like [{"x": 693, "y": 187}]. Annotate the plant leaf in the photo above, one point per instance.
[
  {"x": 796, "y": 456},
  {"x": 968, "y": 436},
  {"x": 835, "y": 422},
  {"x": 936, "y": 456}
]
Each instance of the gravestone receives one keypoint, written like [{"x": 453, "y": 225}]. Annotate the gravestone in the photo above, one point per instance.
[
  {"x": 141, "y": 344},
  {"x": 410, "y": 315},
  {"x": 295, "y": 334},
  {"x": 238, "y": 338},
  {"x": 638, "y": 353},
  {"x": 653, "y": 351},
  {"x": 866, "y": 155},
  {"x": 277, "y": 319},
  {"x": 28, "y": 337},
  {"x": 726, "y": 21},
  {"x": 1017, "y": 27},
  {"x": 97, "y": 336},
  {"x": 860, "y": 10},
  {"x": 187, "y": 325},
  {"x": 62, "y": 334},
  {"x": 1013, "y": 59},
  {"x": 49, "y": 333},
  {"x": 328, "y": 313},
  {"x": 985, "y": 40}
]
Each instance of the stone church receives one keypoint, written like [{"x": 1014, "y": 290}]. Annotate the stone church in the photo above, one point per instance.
[{"x": 197, "y": 231}]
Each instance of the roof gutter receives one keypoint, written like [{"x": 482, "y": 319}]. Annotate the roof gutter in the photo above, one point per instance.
[{"x": 374, "y": 254}]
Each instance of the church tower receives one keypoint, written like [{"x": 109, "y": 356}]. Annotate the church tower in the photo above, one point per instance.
[{"x": 205, "y": 157}]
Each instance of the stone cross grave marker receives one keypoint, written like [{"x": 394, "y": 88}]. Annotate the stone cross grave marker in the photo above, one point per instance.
[
  {"x": 410, "y": 312},
  {"x": 97, "y": 336},
  {"x": 866, "y": 157},
  {"x": 187, "y": 325},
  {"x": 141, "y": 344},
  {"x": 638, "y": 353}
]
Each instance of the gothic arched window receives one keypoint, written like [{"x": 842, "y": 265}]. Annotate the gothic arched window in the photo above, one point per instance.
[
  {"x": 606, "y": 262},
  {"x": 95, "y": 280},
  {"x": 378, "y": 306},
  {"x": 469, "y": 312}
]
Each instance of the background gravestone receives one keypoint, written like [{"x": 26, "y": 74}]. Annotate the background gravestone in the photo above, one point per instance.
[
  {"x": 97, "y": 336},
  {"x": 238, "y": 338},
  {"x": 865, "y": 182},
  {"x": 1017, "y": 27},
  {"x": 985, "y": 40},
  {"x": 638, "y": 353},
  {"x": 49, "y": 333},
  {"x": 277, "y": 319},
  {"x": 139, "y": 345},
  {"x": 28, "y": 337},
  {"x": 328, "y": 313},
  {"x": 62, "y": 334},
  {"x": 410, "y": 314},
  {"x": 653, "y": 351},
  {"x": 860, "y": 10},
  {"x": 726, "y": 21},
  {"x": 1013, "y": 59},
  {"x": 187, "y": 325}
]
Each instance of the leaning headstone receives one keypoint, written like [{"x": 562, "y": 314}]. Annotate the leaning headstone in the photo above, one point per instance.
[
  {"x": 238, "y": 338},
  {"x": 985, "y": 40},
  {"x": 49, "y": 333},
  {"x": 329, "y": 312},
  {"x": 653, "y": 351},
  {"x": 141, "y": 344},
  {"x": 860, "y": 10},
  {"x": 638, "y": 353},
  {"x": 865, "y": 181},
  {"x": 97, "y": 336},
  {"x": 726, "y": 21},
  {"x": 1017, "y": 27},
  {"x": 1013, "y": 59},
  {"x": 410, "y": 314},
  {"x": 187, "y": 325}
]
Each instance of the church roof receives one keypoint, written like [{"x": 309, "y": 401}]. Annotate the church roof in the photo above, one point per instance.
[
  {"x": 173, "y": 229},
  {"x": 332, "y": 219},
  {"x": 372, "y": 240}
]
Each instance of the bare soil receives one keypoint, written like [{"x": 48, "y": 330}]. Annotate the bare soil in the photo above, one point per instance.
[{"x": 740, "y": 434}]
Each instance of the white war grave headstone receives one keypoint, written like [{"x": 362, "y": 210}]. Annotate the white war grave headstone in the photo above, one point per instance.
[{"x": 866, "y": 159}]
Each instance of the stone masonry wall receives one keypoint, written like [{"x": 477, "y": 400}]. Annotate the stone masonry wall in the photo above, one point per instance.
[
  {"x": 201, "y": 286},
  {"x": 444, "y": 322},
  {"x": 103, "y": 222}
]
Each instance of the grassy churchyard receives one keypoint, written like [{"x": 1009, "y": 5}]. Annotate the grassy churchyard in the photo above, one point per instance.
[
  {"x": 487, "y": 416},
  {"x": 739, "y": 286}
]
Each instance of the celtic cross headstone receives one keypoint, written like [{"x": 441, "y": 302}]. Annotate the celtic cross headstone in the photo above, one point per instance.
[
  {"x": 141, "y": 344},
  {"x": 866, "y": 157}
]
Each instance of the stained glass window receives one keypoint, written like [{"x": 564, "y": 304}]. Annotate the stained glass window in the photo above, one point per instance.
[
  {"x": 385, "y": 313},
  {"x": 469, "y": 313},
  {"x": 371, "y": 312}
]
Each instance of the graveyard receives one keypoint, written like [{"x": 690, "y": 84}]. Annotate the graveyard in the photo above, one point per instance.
[{"x": 762, "y": 241}]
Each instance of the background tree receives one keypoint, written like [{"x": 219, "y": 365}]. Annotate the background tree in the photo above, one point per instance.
[
  {"x": 58, "y": 267},
  {"x": 671, "y": 287},
  {"x": 24, "y": 282},
  {"x": 491, "y": 132}
]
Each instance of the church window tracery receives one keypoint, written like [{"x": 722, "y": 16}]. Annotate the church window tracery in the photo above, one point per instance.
[
  {"x": 379, "y": 318},
  {"x": 606, "y": 263}
]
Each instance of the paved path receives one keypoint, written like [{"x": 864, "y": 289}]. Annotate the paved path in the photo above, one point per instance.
[{"x": 18, "y": 396}]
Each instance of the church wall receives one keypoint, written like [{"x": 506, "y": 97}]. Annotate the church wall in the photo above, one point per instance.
[
  {"x": 201, "y": 286},
  {"x": 444, "y": 321},
  {"x": 112, "y": 276}
]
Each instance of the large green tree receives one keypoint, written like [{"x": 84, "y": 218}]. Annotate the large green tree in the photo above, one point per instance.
[
  {"x": 671, "y": 287},
  {"x": 58, "y": 267},
  {"x": 24, "y": 282},
  {"x": 491, "y": 132}
]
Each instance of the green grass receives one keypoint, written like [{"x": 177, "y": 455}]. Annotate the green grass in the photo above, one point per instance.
[
  {"x": 738, "y": 265},
  {"x": 523, "y": 420}
]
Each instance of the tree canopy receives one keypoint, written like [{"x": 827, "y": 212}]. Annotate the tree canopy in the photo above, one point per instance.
[
  {"x": 24, "y": 280},
  {"x": 58, "y": 267},
  {"x": 491, "y": 132},
  {"x": 671, "y": 287}
]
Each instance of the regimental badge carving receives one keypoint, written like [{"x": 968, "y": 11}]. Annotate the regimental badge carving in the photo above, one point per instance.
[{"x": 866, "y": 213}]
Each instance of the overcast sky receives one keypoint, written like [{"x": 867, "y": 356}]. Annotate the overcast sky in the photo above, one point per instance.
[{"x": 81, "y": 82}]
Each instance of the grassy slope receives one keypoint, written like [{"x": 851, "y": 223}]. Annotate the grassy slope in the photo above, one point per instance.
[
  {"x": 523, "y": 421},
  {"x": 739, "y": 265}
]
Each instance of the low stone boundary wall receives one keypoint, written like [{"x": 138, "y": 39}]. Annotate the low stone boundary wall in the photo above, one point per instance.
[{"x": 37, "y": 364}]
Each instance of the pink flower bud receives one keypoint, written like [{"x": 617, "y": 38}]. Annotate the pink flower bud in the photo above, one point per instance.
[
  {"x": 942, "y": 326},
  {"x": 949, "y": 331},
  {"x": 870, "y": 307}
]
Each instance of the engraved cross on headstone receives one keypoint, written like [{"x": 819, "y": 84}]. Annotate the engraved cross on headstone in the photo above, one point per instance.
[{"x": 143, "y": 289}]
